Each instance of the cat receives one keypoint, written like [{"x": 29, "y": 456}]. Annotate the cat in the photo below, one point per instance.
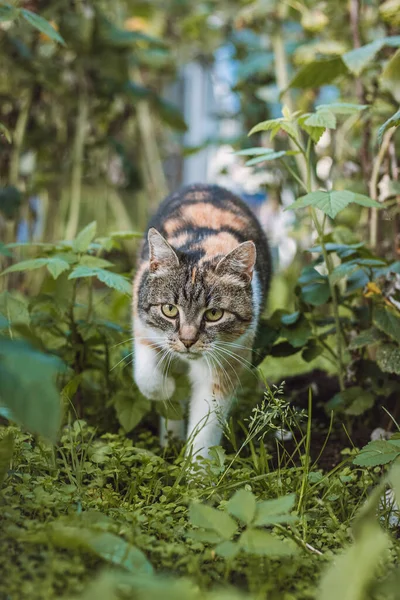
[{"x": 201, "y": 284}]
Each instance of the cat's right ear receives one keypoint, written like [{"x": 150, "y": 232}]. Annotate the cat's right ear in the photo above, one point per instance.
[{"x": 162, "y": 255}]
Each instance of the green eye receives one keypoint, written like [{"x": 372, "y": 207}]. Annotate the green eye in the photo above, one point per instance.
[
  {"x": 213, "y": 314},
  {"x": 170, "y": 310}
]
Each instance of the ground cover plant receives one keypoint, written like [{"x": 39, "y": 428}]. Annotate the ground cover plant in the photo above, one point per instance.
[{"x": 299, "y": 502}]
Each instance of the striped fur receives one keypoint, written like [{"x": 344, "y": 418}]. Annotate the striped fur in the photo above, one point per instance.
[{"x": 204, "y": 250}]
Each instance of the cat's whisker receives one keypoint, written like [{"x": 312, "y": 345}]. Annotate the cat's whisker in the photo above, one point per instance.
[
  {"x": 154, "y": 346},
  {"x": 218, "y": 359},
  {"x": 242, "y": 361}
]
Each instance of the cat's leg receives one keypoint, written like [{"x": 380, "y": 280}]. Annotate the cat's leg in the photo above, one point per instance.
[
  {"x": 209, "y": 409},
  {"x": 148, "y": 372}
]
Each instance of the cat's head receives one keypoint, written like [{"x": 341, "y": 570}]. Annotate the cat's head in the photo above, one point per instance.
[{"x": 193, "y": 303}]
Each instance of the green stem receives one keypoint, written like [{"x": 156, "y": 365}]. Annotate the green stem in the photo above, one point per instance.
[
  {"x": 77, "y": 163},
  {"x": 335, "y": 300},
  {"x": 18, "y": 137}
]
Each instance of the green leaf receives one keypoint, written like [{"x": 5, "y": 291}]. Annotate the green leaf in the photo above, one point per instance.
[
  {"x": 94, "y": 262},
  {"x": 227, "y": 549},
  {"x": 378, "y": 452},
  {"x": 388, "y": 321},
  {"x": 112, "y": 280},
  {"x": 56, "y": 266},
  {"x": 266, "y": 125},
  {"x": 354, "y": 400},
  {"x": 206, "y": 535},
  {"x": 343, "y": 270},
  {"x": 6, "y": 452},
  {"x": 3, "y": 129},
  {"x": 170, "y": 114},
  {"x": 242, "y": 505},
  {"x": 8, "y": 12},
  {"x": 388, "y": 358},
  {"x": 14, "y": 309},
  {"x": 42, "y": 25},
  {"x": 316, "y": 294},
  {"x": 331, "y": 203},
  {"x": 356, "y": 60},
  {"x": 253, "y": 151},
  {"x": 343, "y": 108},
  {"x": 315, "y": 133},
  {"x": 298, "y": 333},
  {"x": 211, "y": 518},
  {"x": 26, "y": 265},
  {"x": 318, "y": 72},
  {"x": 266, "y": 157},
  {"x": 394, "y": 121},
  {"x": 102, "y": 544},
  {"x": 350, "y": 575},
  {"x": 322, "y": 118},
  {"x": 84, "y": 238},
  {"x": 366, "y": 338},
  {"x": 291, "y": 318},
  {"x": 263, "y": 543},
  {"x": 30, "y": 392},
  {"x": 130, "y": 411},
  {"x": 390, "y": 77},
  {"x": 270, "y": 511},
  {"x": 311, "y": 350}
]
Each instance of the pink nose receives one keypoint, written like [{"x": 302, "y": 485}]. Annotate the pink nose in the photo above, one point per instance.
[{"x": 188, "y": 343}]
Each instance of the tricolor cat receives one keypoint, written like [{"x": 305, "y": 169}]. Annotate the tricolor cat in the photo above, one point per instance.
[{"x": 201, "y": 284}]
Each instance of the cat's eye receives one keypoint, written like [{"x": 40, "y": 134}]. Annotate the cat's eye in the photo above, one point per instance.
[
  {"x": 170, "y": 310},
  {"x": 213, "y": 314}
]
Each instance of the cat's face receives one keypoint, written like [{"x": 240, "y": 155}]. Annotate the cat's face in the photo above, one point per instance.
[{"x": 192, "y": 306}]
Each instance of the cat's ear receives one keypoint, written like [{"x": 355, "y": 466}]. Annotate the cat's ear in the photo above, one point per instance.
[
  {"x": 162, "y": 256},
  {"x": 239, "y": 262}
]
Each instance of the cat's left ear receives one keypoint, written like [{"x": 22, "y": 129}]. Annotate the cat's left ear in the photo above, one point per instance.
[
  {"x": 240, "y": 262},
  {"x": 162, "y": 255}
]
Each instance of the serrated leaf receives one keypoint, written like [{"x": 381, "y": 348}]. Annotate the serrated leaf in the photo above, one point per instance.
[
  {"x": 130, "y": 411},
  {"x": 263, "y": 543},
  {"x": 211, "y": 518},
  {"x": 331, "y": 203},
  {"x": 343, "y": 270},
  {"x": 14, "y": 309},
  {"x": 94, "y": 262},
  {"x": 266, "y": 157},
  {"x": 206, "y": 535},
  {"x": 322, "y": 118},
  {"x": 26, "y": 265},
  {"x": 112, "y": 280},
  {"x": 394, "y": 121},
  {"x": 102, "y": 544},
  {"x": 227, "y": 549},
  {"x": 318, "y": 72},
  {"x": 269, "y": 510},
  {"x": 366, "y": 338},
  {"x": 42, "y": 25},
  {"x": 268, "y": 125},
  {"x": 356, "y": 60},
  {"x": 6, "y": 452},
  {"x": 242, "y": 505},
  {"x": 388, "y": 321},
  {"x": 378, "y": 452},
  {"x": 388, "y": 358},
  {"x": 315, "y": 133},
  {"x": 82, "y": 241},
  {"x": 343, "y": 108},
  {"x": 56, "y": 266}
]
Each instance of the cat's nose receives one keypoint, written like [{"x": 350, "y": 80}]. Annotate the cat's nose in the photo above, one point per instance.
[{"x": 187, "y": 343}]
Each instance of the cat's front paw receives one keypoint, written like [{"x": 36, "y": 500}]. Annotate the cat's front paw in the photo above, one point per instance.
[{"x": 156, "y": 388}]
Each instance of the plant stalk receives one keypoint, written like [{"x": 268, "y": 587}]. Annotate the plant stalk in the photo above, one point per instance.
[
  {"x": 77, "y": 164},
  {"x": 373, "y": 186}
]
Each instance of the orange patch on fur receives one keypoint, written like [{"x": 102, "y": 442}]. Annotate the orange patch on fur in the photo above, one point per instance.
[
  {"x": 204, "y": 214},
  {"x": 219, "y": 244},
  {"x": 172, "y": 225},
  {"x": 179, "y": 240},
  {"x": 194, "y": 274}
]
